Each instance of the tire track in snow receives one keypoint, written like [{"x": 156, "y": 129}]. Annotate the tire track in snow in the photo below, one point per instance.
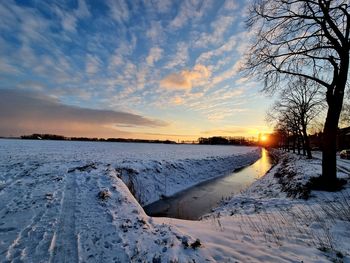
[
  {"x": 21, "y": 243},
  {"x": 99, "y": 237},
  {"x": 341, "y": 164},
  {"x": 64, "y": 246},
  {"x": 29, "y": 232}
]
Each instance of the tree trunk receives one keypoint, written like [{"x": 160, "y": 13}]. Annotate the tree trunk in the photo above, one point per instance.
[
  {"x": 335, "y": 97},
  {"x": 302, "y": 141},
  {"x": 329, "y": 140},
  {"x": 329, "y": 151},
  {"x": 307, "y": 143},
  {"x": 298, "y": 143}
]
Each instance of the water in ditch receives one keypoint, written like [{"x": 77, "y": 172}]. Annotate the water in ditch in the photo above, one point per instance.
[{"x": 197, "y": 201}]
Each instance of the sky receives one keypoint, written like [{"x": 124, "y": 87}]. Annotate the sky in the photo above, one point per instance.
[{"x": 152, "y": 69}]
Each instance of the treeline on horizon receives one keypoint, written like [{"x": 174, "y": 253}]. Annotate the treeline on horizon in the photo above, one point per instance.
[
  {"x": 37, "y": 136},
  {"x": 219, "y": 140},
  {"x": 216, "y": 140}
]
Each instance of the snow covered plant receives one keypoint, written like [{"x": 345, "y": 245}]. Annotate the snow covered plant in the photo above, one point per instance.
[
  {"x": 104, "y": 194},
  {"x": 318, "y": 223},
  {"x": 337, "y": 208}
]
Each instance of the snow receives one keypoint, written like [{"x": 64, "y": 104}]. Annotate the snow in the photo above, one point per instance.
[
  {"x": 151, "y": 170},
  {"x": 151, "y": 180},
  {"x": 321, "y": 222},
  {"x": 110, "y": 152},
  {"x": 69, "y": 202},
  {"x": 50, "y": 208}
]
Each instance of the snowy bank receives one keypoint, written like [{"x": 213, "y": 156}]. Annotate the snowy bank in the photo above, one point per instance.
[
  {"x": 149, "y": 181},
  {"x": 307, "y": 225}
]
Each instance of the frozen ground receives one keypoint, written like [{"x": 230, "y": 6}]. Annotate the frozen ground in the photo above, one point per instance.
[
  {"x": 67, "y": 203},
  {"x": 149, "y": 170},
  {"x": 51, "y": 211}
]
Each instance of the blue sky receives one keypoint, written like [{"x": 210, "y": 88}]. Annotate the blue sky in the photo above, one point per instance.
[{"x": 174, "y": 64}]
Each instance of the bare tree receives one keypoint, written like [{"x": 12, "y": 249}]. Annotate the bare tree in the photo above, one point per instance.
[
  {"x": 287, "y": 122},
  {"x": 304, "y": 99},
  {"x": 309, "y": 39},
  {"x": 297, "y": 106}
]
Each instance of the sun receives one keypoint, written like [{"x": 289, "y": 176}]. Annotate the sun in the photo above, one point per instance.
[{"x": 263, "y": 138}]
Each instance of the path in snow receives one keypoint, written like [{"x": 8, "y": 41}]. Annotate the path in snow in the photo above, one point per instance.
[{"x": 64, "y": 245}]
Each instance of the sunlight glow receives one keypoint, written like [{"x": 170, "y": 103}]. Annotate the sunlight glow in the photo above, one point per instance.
[{"x": 263, "y": 138}]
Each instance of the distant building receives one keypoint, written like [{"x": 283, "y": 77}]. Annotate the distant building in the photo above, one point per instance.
[
  {"x": 343, "y": 139},
  {"x": 316, "y": 141}
]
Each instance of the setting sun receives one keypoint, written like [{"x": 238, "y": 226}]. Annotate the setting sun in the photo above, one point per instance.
[{"x": 263, "y": 138}]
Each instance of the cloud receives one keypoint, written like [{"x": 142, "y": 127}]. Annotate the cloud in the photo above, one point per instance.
[
  {"x": 163, "y": 6},
  {"x": 242, "y": 80},
  {"x": 32, "y": 26},
  {"x": 28, "y": 112},
  {"x": 178, "y": 100},
  {"x": 69, "y": 22},
  {"x": 217, "y": 115},
  {"x": 190, "y": 9},
  {"x": 154, "y": 55},
  {"x": 231, "y": 5},
  {"x": 228, "y": 46},
  {"x": 7, "y": 67},
  {"x": 93, "y": 64},
  {"x": 219, "y": 26},
  {"x": 157, "y": 6},
  {"x": 155, "y": 32},
  {"x": 119, "y": 10},
  {"x": 69, "y": 19},
  {"x": 116, "y": 60},
  {"x": 230, "y": 73},
  {"x": 180, "y": 57},
  {"x": 186, "y": 79},
  {"x": 7, "y": 18},
  {"x": 124, "y": 49},
  {"x": 31, "y": 85},
  {"x": 228, "y": 131},
  {"x": 83, "y": 10}
]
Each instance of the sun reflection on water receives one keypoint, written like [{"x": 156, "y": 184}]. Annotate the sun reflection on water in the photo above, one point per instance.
[{"x": 263, "y": 164}]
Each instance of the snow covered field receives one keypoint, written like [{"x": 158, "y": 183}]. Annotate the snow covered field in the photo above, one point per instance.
[
  {"x": 49, "y": 204},
  {"x": 67, "y": 202}
]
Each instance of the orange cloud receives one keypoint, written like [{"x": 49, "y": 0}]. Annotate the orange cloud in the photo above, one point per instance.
[
  {"x": 178, "y": 101},
  {"x": 186, "y": 79}
]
